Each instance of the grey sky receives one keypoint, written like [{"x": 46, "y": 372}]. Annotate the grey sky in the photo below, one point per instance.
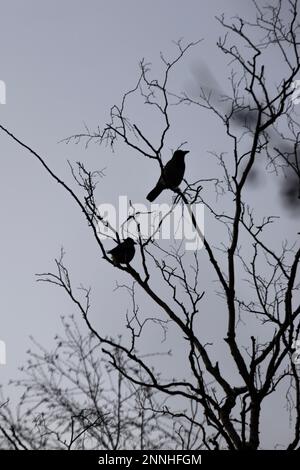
[{"x": 65, "y": 62}]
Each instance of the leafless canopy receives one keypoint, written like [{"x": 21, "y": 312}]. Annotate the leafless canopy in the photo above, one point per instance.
[{"x": 259, "y": 121}]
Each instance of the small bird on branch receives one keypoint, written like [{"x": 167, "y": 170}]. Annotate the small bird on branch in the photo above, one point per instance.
[
  {"x": 124, "y": 252},
  {"x": 171, "y": 176}
]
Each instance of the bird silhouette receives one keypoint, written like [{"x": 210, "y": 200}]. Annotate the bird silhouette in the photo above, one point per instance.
[
  {"x": 171, "y": 176},
  {"x": 124, "y": 252}
]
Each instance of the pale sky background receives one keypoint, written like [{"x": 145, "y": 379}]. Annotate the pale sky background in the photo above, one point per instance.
[{"x": 65, "y": 63}]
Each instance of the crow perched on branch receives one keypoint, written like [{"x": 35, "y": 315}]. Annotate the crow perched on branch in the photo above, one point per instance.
[
  {"x": 171, "y": 176},
  {"x": 124, "y": 252}
]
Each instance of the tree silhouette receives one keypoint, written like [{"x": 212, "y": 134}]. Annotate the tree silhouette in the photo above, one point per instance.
[
  {"x": 262, "y": 324},
  {"x": 72, "y": 398}
]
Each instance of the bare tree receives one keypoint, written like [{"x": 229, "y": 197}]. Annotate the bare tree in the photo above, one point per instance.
[
  {"x": 72, "y": 398},
  {"x": 229, "y": 404}
]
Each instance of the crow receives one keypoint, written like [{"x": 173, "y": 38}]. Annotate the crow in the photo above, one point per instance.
[
  {"x": 171, "y": 176},
  {"x": 124, "y": 252}
]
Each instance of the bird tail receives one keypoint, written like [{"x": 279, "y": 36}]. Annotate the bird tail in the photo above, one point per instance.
[{"x": 155, "y": 192}]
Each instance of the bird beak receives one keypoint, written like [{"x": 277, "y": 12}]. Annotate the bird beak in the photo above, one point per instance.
[{"x": 186, "y": 151}]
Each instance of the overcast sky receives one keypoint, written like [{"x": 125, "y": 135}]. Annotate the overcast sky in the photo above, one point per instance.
[{"x": 65, "y": 63}]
